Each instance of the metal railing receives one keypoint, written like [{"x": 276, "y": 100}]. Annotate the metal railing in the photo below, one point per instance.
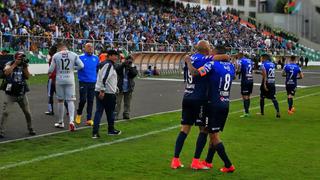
[
  {"x": 41, "y": 44},
  {"x": 38, "y": 43}
]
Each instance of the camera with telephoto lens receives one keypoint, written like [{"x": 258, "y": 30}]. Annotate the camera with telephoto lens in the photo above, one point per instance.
[{"x": 23, "y": 58}]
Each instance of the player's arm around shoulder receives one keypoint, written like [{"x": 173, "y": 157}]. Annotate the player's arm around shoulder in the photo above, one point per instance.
[{"x": 191, "y": 68}]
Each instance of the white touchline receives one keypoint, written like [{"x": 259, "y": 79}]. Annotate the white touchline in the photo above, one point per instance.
[
  {"x": 41, "y": 158},
  {"x": 86, "y": 127}
]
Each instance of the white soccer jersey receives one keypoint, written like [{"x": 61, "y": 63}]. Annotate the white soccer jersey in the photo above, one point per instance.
[{"x": 65, "y": 62}]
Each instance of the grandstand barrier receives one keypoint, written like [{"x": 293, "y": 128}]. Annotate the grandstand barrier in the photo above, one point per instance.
[{"x": 166, "y": 62}]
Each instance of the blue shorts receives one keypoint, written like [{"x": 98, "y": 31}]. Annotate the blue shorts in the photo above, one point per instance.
[
  {"x": 246, "y": 88},
  {"x": 217, "y": 117},
  {"x": 193, "y": 112},
  {"x": 291, "y": 89},
  {"x": 270, "y": 94}
]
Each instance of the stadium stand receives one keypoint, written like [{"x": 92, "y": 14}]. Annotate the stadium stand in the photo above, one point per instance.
[{"x": 136, "y": 25}]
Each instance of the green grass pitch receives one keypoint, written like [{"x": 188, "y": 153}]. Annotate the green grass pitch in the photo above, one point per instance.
[{"x": 260, "y": 147}]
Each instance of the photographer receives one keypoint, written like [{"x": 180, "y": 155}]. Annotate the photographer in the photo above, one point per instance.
[
  {"x": 126, "y": 73},
  {"x": 16, "y": 73}
]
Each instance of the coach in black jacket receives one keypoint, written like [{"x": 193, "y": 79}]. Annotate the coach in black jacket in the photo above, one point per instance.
[{"x": 126, "y": 73}]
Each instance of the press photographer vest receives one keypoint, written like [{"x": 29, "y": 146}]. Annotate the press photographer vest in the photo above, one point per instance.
[{"x": 16, "y": 82}]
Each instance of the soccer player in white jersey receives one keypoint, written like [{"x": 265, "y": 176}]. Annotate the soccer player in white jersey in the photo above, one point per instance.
[{"x": 65, "y": 62}]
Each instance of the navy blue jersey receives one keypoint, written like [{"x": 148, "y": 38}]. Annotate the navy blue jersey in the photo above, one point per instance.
[
  {"x": 292, "y": 71},
  {"x": 221, "y": 74},
  {"x": 196, "y": 87},
  {"x": 246, "y": 66},
  {"x": 270, "y": 69}
]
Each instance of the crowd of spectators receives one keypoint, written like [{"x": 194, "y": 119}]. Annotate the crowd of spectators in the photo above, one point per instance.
[{"x": 133, "y": 23}]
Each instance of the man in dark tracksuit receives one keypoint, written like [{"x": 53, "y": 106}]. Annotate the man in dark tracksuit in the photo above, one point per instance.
[
  {"x": 126, "y": 73},
  {"x": 106, "y": 88}
]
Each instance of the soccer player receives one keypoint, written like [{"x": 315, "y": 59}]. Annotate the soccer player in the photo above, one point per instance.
[
  {"x": 268, "y": 87},
  {"x": 65, "y": 62},
  {"x": 51, "y": 85},
  {"x": 220, "y": 73},
  {"x": 291, "y": 72},
  {"x": 244, "y": 68},
  {"x": 193, "y": 103}
]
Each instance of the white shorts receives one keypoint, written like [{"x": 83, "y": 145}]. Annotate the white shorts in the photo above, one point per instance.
[{"x": 66, "y": 92}]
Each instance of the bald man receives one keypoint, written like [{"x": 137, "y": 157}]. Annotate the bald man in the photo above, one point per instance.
[
  {"x": 193, "y": 105},
  {"x": 87, "y": 80}
]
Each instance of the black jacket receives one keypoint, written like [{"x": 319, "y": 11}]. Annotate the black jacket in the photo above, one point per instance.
[{"x": 131, "y": 72}]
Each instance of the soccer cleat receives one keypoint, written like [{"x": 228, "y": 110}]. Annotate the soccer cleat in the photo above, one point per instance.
[
  {"x": 89, "y": 122},
  {"x": 197, "y": 165},
  {"x": 245, "y": 115},
  {"x": 293, "y": 109},
  {"x": 176, "y": 163},
  {"x": 208, "y": 165},
  {"x": 228, "y": 170},
  {"x": 1, "y": 135},
  {"x": 59, "y": 125},
  {"x": 126, "y": 117},
  {"x": 32, "y": 132},
  {"x": 290, "y": 112},
  {"x": 72, "y": 127},
  {"x": 278, "y": 115},
  {"x": 114, "y": 132},
  {"x": 95, "y": 136},
  {"x": 259, "y": 113},
  {"x": 78, "y": 119},
  {"x": 49, "y": 113}
]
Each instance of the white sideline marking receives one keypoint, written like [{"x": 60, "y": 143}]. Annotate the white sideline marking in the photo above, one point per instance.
[
  {"x": 41, "y": 158},
  {"x": 237, "y": 83},
  {"x": 84, "y": 127}
]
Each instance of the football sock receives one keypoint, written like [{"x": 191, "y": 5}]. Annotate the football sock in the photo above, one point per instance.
[
  {"x": 223, "y": 155},
  {"x": 179, "y": 144},
  {"x": 276, "y": 104},
  {"x": 201, "y": 142},
  {"x": 290, "y": 103},
  {"x": 61, "y": 112},
  {"x": 246, "y": 104},
  {"x": 71, "y": 110},
  {"x": 262, "y": 105},
  {"x": 211, "y": 152}
]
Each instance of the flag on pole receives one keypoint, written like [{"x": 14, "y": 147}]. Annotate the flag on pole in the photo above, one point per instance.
[
  {"x": 290, "y": 6},
  {"x": 297, "y": 8}
]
